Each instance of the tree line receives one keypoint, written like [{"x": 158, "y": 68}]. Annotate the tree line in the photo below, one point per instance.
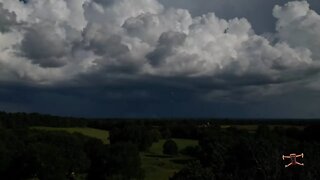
[
  {"x": 222, "y": 153},
  {"x": 34, "y": 154},
  {"x": 229, "y": 154}
]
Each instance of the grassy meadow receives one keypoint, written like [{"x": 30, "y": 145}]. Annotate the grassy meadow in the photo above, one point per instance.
[{"x": 156, "y": 165}]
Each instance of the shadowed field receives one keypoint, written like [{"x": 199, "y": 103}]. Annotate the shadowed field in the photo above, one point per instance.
[
  {"x": 91, "y": 132},
  {"x": 158, "y": 166}
]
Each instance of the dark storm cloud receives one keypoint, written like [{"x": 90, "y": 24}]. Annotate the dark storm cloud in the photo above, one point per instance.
[
  {"x": 105, "y": 2},
  {"x": 43, "y": 46},
  {"x": 172, "y": 38},
  {"x": 135, "y": 58},
  {"x": 111, "y": 46},
  {"x": 24, "y": 1},
  {"x": 167, "y": 42},
  {"x": 164, "y": 102},
  {"x": 136, "y": 99}
]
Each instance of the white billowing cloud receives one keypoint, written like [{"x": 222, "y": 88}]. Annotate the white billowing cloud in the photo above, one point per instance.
[
  {"x": 7, "y": 19},
  {"x": 36, "y": 11},
  {"x": 17, "y": 8},
  {"x": 299, "y": 26},
  {"x": 53, "y": 41},
  {"x": 148, "y": 27},
  {"x": 76, "y": 17},
  {"x": 209, "y": 45},
  {"x": 112, "y": 14},
  {"x": 214, "y": 46}
]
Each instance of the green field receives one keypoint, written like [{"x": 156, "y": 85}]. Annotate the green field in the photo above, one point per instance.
[
  {"x": 91, "y": 132},
  {"x": 157, "y": 166}
]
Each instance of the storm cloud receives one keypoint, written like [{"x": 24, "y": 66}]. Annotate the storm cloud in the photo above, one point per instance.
[{"x": 142, "y": 44}]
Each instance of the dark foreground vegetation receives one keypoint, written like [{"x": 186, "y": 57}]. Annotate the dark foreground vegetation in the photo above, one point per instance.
[{"x": 225, "y": 150}]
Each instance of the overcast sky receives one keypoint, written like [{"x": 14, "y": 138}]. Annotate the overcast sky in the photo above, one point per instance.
[{"x": 161, "y": 58}]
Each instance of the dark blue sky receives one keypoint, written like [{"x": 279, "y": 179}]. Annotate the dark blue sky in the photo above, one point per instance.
[{"x": 166, "y": 58}]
